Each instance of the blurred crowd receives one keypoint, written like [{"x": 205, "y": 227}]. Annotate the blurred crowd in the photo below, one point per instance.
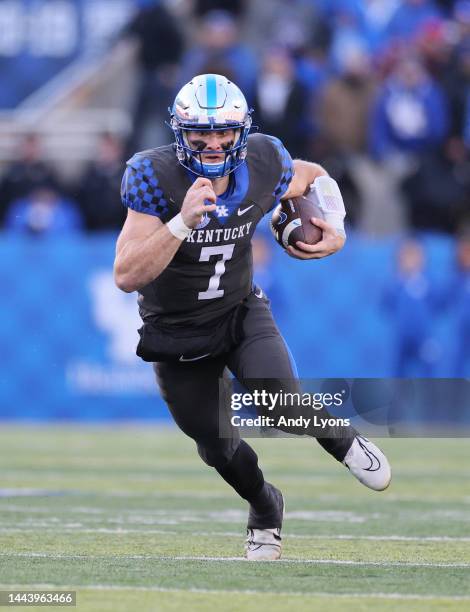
[
  {"x": 413, "y": 302},
  {"x": 378, "y": 91},
  {"x": 35, "y": 199}
]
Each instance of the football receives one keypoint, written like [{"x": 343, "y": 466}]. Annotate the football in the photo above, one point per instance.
[{"x": 290, "y": 221}]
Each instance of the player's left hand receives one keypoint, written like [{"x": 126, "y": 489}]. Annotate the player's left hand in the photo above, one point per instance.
[{"x": 329, "y": 244}]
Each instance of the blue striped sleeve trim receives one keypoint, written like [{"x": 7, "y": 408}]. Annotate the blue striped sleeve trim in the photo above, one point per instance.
[{"x": 140, "y": 189}]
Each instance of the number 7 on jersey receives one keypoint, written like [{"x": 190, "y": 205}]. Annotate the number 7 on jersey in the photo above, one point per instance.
[{"x": 213, "y": 290}]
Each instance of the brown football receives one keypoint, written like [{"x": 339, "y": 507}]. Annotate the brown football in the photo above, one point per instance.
[{"x": 290, "y": 221}]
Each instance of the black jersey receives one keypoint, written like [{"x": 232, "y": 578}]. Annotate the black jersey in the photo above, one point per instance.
[{"x": 212, "y": 270}]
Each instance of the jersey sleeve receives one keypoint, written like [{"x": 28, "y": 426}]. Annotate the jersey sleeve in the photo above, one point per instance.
[
  {"x": 286, "y": 170},
  {"x": 140, "y": 188}
]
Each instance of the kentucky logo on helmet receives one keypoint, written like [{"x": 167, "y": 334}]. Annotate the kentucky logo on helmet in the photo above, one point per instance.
[{"x": 210, "y": 102}]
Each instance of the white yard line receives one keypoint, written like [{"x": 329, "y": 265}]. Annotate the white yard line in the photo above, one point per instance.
[
  {"x": 239, "y": 559},
  {"x": 158, "y": 589},
  {"x": 161, "y": 516},
  {"x": 31, "y": 527}
]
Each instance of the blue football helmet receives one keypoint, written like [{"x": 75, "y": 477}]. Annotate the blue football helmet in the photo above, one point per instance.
[{"x": 210, "y": 102}]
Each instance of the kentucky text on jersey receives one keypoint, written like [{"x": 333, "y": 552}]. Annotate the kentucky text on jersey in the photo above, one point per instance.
[{"x": 219, "y": 235}]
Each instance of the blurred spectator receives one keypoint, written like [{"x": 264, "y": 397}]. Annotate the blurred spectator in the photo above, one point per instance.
[
  {"x": 282, "y": 102},
  {"x": 344, "y": 108},
  {"x": 312, "y": 70},
  {"x": 410, "y": 114},
  {"x": 235, "y": 7},
  {"x": 218, "y": 50},
  {"x": 461, "y": 16},
  {"x": 292, "y": 24},
  {"x": 434, "y": 46},
  {"x": 160, "y": 50},
  {"x": 99, "y": 186},
  {"x": 345, "y": 104},
  {"x": 437, "y": 191},
  {"x": 409, "y": 17},
  {"x": 350, "y": 31},
  {"x": 446, "y": 5},
  {"x": 27, "y": 173},
  {"x": 337, "y": 9},
  {"x": 379, "y": 13},
  {"x": 410, "y": 305},
  {"x": 43, "y": 212},
  {"x": 456, "y": 83}
]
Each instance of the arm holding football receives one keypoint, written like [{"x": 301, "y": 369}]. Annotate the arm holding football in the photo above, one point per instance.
[
  {"x": 327, "y": 195},
  {"x": 310, "y": 177},
  {"x": 305, "y": 174}
]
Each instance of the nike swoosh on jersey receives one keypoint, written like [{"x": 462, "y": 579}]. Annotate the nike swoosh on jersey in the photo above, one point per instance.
[
  {"x": 241, "y": 212},
  {"x": 183, "y": 358}
]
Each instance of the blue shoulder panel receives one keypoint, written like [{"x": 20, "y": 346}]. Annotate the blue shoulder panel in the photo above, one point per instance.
[
  {"x": 287, "y": 170},
  {"x": 140, "y": 189}
]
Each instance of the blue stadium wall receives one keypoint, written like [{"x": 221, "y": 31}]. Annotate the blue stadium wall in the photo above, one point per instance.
[{"x": 68, "y": 335}]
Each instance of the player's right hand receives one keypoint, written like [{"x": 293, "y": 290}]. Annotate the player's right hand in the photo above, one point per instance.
[{"x": 194, "y": 204}]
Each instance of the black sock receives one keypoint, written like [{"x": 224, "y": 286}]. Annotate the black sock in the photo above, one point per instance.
[
  {"x": 243, "y": 474},
  {"x": 335, "y": 439},
  {"x": 338, "y": 447}
]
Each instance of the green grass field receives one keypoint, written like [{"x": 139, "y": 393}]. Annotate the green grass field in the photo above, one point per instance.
[{"x": 132, "y": 520}]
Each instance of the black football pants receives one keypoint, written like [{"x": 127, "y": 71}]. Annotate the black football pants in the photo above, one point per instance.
[{"x": 191, "y": 391}]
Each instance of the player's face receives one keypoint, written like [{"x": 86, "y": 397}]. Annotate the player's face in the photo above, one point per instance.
[{"x": 212, "y": 141}]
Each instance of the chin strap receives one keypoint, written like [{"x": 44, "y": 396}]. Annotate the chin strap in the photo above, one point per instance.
[{"x": 330, "y": 202}]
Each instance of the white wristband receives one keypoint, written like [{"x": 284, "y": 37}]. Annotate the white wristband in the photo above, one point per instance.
[{"x": 178, "y": 227}]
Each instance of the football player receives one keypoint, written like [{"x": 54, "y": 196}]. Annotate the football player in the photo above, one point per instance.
[{"x": 186, "y": 248}]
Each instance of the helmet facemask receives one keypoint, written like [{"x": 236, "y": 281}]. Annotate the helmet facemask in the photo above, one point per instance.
[
  {"x": 196, "y": 158},
  {"x": 210, "y": 103}
]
